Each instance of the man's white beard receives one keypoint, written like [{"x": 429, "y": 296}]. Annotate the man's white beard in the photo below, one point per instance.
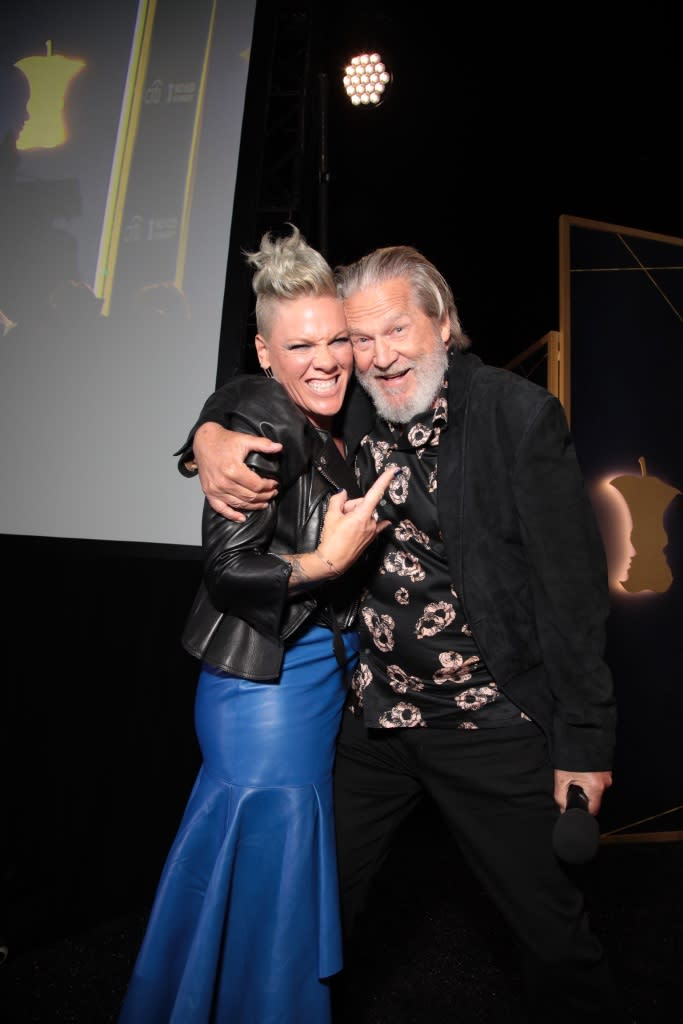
[{"x": 429, "y": 372}]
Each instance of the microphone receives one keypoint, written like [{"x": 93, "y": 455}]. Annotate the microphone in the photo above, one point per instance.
[{"x": 576, "y": 835}]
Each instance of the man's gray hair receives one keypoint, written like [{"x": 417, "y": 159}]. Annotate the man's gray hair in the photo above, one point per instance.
[
  {"x": 286, "y": 268},
  {"x": 430, "y": 289}
]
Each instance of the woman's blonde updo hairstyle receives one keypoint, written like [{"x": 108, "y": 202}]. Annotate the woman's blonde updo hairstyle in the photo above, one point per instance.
[{"x": 286, "y": 268}]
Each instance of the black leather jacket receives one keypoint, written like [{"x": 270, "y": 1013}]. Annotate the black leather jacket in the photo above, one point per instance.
[
  {"x": 523, "y": 546},
  {"x": 243, "y": 615}
]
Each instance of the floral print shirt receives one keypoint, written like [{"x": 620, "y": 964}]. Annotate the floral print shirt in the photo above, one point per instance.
[{"x": 419, "y": 663}]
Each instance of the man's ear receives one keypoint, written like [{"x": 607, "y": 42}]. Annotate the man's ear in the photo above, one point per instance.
[
  {"x": 262, "y": 352},
  {"x": 445, "y": 329}
]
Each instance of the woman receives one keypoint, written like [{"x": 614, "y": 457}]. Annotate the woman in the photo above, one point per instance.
[{"x": 245, "y": 924}]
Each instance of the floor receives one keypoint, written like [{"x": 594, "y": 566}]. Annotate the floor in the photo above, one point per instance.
[{"x": 449, "y": 962}]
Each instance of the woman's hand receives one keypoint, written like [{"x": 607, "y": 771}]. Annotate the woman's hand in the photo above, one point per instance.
[{"x": 351, "y": 525}]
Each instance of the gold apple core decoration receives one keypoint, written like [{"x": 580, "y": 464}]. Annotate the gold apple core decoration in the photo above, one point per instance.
[
  {"x": 48, "y": 77},
  {"x": 647, "y": 497}
]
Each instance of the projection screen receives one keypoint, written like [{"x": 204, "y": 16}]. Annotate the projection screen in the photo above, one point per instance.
[{"x": 119, "y": 136}]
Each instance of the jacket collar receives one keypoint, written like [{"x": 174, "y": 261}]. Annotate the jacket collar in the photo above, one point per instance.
[{"x": 461, "y": 366}]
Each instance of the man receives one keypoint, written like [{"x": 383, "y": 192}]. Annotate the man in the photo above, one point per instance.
[{"x": 481, "y": 681}]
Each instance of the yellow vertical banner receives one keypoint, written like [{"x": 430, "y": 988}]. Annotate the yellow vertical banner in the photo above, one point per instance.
[{"x": 146, "y": 223}]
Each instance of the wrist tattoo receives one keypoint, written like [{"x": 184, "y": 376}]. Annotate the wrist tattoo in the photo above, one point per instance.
[
  {"x": 330, "y": 565},
  {"x": 298, "y": 574}
]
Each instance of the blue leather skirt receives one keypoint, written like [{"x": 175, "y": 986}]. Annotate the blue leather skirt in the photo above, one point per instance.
[{"x": 245, "y": 924}]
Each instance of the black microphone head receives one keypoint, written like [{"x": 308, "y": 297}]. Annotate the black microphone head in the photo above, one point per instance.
[{"x": 576, "y": 836}]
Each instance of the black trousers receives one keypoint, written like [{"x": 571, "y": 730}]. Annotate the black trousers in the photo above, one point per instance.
[{"x": 494, "y": 788}]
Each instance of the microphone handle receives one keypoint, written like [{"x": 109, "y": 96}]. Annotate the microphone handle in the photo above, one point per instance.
[{"x": 576, "y": 798}]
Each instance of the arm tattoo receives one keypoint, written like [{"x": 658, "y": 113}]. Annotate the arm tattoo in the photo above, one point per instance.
[{"x": 299, "y": 577}]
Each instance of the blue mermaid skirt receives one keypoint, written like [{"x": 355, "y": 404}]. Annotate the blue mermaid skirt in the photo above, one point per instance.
[{"x": 245, "y": 925}]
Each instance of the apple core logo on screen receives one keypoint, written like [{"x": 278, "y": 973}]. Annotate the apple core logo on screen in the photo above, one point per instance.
[{"x": 49, "y": 77}]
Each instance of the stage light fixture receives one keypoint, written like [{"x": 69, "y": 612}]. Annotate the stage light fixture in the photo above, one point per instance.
[{"x": 365, "y": 80}]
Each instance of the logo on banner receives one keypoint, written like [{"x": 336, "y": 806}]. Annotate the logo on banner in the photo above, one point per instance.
[
  {"x": 154, "y": 92},
  {"x": 133, "y": 231},
  {"x": 149, "y": 229},
  {"x": 171, "y": 92},
  {"x": 159, "y": 228}
]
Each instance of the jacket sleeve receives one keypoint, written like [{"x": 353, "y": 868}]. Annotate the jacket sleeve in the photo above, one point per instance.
[
  {"x": 240, "y": 574},
  {"x": 568, "y": 577},
  {"x": 241, "y": 577},
  {"x": 358, "y": 417}
]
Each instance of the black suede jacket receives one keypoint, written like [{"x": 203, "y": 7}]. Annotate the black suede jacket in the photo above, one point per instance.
[
  {"x": 243, "y": 615},
  {"x": 524, "y": 550}
]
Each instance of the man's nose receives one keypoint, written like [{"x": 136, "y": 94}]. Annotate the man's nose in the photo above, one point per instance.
[{"x": 384, "y": 354}]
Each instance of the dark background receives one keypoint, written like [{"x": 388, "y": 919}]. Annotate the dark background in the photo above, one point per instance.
[
  {"x": 495, "y": 124},
  {"x": 522, "y": 118}
]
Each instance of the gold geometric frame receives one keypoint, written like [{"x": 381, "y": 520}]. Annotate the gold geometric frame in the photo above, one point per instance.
[
  {"x": 542, "y": 355},
  {"x": 565, "y": 226},
  {"x": 548, "y": 362},
  {"x": 626, "y": 833}
]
